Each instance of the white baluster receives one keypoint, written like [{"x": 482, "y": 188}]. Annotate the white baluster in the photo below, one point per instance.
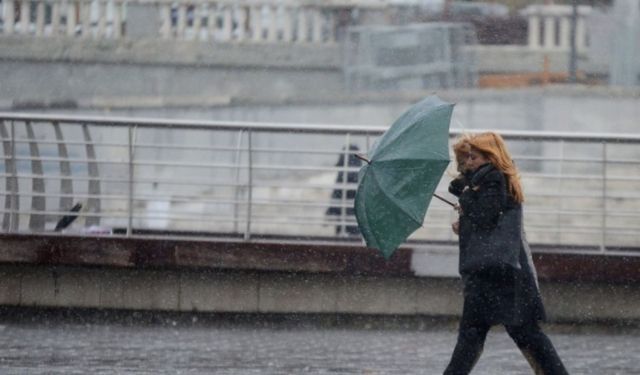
[
  {"x": 549, "y": 32},
  {"x": 55, "y": 18},
  {"x": 9, "y": 17},
  {"x": 241, "y": 17},
  {"x": 581, "y": 35},
  {"x": 272, "y": 30},
  {"x": 117, "y": 20},
  {"x": 165, "y": 20},
  {"x": 256, "y": 22},
  {"x": 182, "y": 21},
  {"x": 102, "y": 18},
  {"x": 332, "y": 25},
  {"x": 72, "y": 7},
  {"x": 303, "y": 32},
  {"x": 40, "y": 18},
  {"x": 534, "y": 32},
  {"x": 25, "y": 16},
  {"x": 197, "y": 20},
  {"x": 317, "y": 25},
  {"x": 287, "y": 30},
  {"x": 227, "y": 21},
  {"x": 212, "y": 16},
  {"x": 565, "y": 32},
  {"x": 85, "y": 19}
]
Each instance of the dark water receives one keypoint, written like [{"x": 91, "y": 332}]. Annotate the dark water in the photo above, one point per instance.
[{"x": 68, "y": 347}]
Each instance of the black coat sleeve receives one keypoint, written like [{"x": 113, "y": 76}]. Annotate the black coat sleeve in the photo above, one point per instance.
[
  {"x": 485, "y": 199},
  {"x": 457, "y": 185}
]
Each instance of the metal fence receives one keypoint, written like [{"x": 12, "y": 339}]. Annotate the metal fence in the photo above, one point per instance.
[
  {"x": 415, "y": 56},
  {"x": 250, "y": 181}
]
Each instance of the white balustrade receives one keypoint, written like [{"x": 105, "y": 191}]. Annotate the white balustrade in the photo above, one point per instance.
[
  {"x": 73, "y": 18},
  {"x": 549, "y": 27},
  {"x": 258, "y": 21}
]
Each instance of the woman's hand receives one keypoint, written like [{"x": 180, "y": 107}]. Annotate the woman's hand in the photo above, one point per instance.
[
  {"x": 456, "y": 227},
  {"x": 457, "y": 208}
]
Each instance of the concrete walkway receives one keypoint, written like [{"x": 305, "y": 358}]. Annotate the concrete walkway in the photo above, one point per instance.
[{"x": 176, "y": 347}]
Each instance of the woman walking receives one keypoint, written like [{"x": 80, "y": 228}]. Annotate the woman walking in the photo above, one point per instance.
[{"x": 497, "y": 289}]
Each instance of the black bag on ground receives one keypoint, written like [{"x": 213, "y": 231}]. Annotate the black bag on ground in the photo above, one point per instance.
[{"x": 494, "y": 248}]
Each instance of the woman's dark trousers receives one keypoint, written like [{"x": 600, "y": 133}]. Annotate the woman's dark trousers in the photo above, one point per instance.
[{"x": 532, "y": 342}]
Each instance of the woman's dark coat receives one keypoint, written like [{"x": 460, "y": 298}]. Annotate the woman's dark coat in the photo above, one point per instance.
[{"x": 502, "y": 295}]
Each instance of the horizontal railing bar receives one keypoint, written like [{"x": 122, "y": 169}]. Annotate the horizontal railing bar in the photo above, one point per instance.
[
  {"x": 183, "y": 164},
  {"x": 78, "y": 195},
  {"x": 102, "y": 214},
  {"x": 329, "y": 203},
  {"x": 254, "y": 150},
  {"x": 55, "y": 159},
  {"x": 595, "y": 194},
  {"x": 174, "y": 146},
  {"x": 305, "y": 128},
  {"x": 305, "y": 152},
  {"x": 269, "y": 219},
  {"x": 616, "y": 213},
  {"x": 64, "y": 142},
  {"x": 165, "y": 146}
]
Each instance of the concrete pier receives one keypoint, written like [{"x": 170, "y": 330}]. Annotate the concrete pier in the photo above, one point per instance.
[{"x": 202, "y": 276}]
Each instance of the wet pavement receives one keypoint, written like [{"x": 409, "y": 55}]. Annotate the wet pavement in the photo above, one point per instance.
[{"x": 36, "y": 347}]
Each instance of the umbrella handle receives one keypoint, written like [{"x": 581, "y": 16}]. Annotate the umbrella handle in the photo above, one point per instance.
[
  {"x": 359, "y": 156},
  {"x": 444, "y": 200}
]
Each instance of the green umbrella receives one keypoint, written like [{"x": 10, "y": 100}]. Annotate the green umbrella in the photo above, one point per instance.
[{"x": 404, "y": 167}]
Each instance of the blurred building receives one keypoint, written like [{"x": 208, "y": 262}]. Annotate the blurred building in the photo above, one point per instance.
[{"x": 111, "y": 52}]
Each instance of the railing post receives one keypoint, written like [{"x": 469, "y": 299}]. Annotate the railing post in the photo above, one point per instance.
[
  {"x": 560, "y": 188},
  {"x": 603, "y": 240},
  {"x": 130, "y": 182},
  {"x": 247, "y": 233},
  {"x": 237, "y": 182},
  {"x": 37, "y": 217},
  {"x": 345, "y": 179},
  {"x": 13, "y": 222}
]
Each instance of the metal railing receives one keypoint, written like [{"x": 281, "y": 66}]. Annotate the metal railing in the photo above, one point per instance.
[{"x": 250, "y": 181}]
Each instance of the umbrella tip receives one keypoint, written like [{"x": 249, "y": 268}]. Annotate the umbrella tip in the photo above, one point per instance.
[{"x": 362, "y": 157}]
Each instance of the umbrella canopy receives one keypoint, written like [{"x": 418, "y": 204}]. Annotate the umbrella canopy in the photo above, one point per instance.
[{"x": 404, "y": 167}]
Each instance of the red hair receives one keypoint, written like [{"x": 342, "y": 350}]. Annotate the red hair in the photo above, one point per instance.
[
  {"x": 461, "y": 150},
  {"x": 493, "y": 147}
]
